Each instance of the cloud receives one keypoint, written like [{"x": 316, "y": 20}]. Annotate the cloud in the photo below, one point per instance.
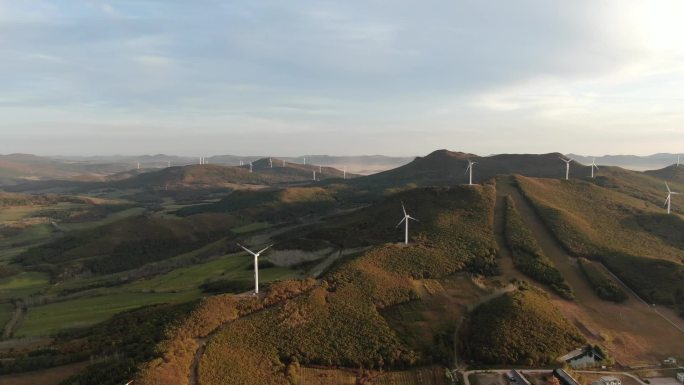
[{"x": 431, "y": 69}]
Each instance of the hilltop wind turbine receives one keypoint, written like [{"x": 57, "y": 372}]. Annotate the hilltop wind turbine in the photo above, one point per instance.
[
  {"x": 320, "y": 169},
  {"x": 314, "y": 175},
  {"x": 256, "y": 265},
  {"x": 250, "y": 167},
  {"x": 567, "y": 167},
  {"x": 668, "y": 201},
  {"x": 470, "y": 168},
  {"x": 593, "y": 165},
  {"x": 270, "y": 162},
  {"x": 406, "y": 221},
  {"x": 305, "y": 160}
]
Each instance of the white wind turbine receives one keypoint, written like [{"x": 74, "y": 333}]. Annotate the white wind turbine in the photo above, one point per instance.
[
  {"x": 305, "y": 160},
  {"x": 593, "y": 166},
  {"x": 138, "y": 165},
  {"x": 678, "y": 160},
  {"x": 406, "y": 221},
  {"x": 668, "y": 201},
  {"x": 270, "y": 162},
  {"x": 314, "y": 175},
  {"x": 470, "y": 168},
  {"x": 250, "y": 167},
  {"x": 567, "y": 167},
  {"x": 256, "y": 265},
  {"x": 283, "y": 162}
]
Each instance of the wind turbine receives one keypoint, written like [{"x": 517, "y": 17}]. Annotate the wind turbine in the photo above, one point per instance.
[
  {"x": 283, "y": 162},
  {"x": 670, "y": 193},
  {"x": 250, "y": 167},
  {"x": 305, "y": 160},
  {"x": 406, "y": 220},
  {"x": 593, "y": 165},
  {"x": 320, "y": 169},
  {"x": 270, "y": 162},
  {"x": 567, "y": 167},
  {"x": 470, "y": 168},
  {"x": 256, "y": 265},
  {"x": 678, "y": 160},
  {"x": 138, "y": 165},
  {"x": 314, "y": 175}
]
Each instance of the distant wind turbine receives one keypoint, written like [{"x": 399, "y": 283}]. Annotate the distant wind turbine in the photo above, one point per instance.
[
  {"x": 250, "y": 166},
  {"x": 270, "y": 162},
  {"x": 668, "y": 201},
  {"x": 567, "y": 167},
  {"x": 138, "y": 165},
  {"x": 256, "y": 265},
  {"x": 406, "y": 221},
  {"x": 593, "y": 166},
  {"x": 283, "y": 162},
  {"x": 320, "y": 169},
  {"x": 678, "y": 160},
  {"x": 304, "y": 160},
  {"x": 314, "y": 175},
  {"x": 470, "y": 168}
]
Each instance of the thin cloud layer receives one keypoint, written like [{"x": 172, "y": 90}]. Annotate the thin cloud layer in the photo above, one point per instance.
[{"x": 400, "y": 77}]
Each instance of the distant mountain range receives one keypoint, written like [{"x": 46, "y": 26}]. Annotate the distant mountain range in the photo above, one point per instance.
[
  {"x": 14, "y": 167},
  {"x": 631, "y": 162}
]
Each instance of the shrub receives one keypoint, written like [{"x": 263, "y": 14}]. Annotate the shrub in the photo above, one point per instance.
[{"x": 604, "y": 285}]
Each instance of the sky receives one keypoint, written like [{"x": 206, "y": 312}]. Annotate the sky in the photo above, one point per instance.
[{"x": 341, "y": 77}]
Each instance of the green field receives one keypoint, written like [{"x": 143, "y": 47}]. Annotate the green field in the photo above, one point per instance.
[
  {"x": 22, "y": 284},
  {"x": 179, "y": 285},
  {"x": 47, "y": 319},
  {"x": 233, "y": 267},
  {"x": 250, "y": 227}
]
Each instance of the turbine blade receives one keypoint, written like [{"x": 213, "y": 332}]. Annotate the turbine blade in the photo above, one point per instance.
[
  {"x": 467, "y": 169},
  {"x": 666, "y": 200},
  {"x": 410, "y": 217},
  {"x": 403, "y": 208},
  {"x": 246, "y": 249},
  {"x": 264, "y": 249},
  {"x": 400, "y": 222},
  {"x": 668, "y": 187}
]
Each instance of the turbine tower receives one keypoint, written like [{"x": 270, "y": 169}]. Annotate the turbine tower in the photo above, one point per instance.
[
  {"x": 250, "y": 167},
  {"x": 470, "y": 168},
  {"x": 314, "y": 175},
  {"x": 405, "y": 220},
  {"x": 668, "y": 201},
  {"x": 256, "y": 265},
  {"x": 138, "y": 165},
  {"x": 593, "y": 166},
  {"x": 270, "y": 162},
  {"x": 305, "y": 160},
  {"x": 567, "y": 167},
  {"x": 678, "y": 160}
]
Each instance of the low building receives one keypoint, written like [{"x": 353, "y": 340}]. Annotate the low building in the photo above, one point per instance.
[
  {"x": 607, "y": 380},
  {"x": 680, "y": 376},
  {"x": 564, "y": 377},
  {"x": 670, "y": 361},
  {"x": 582, "y": 358}
]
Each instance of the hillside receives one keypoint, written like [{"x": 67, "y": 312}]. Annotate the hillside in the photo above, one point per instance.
[
  {"x": 125, "y": 244},
  {"x": 521, "y": 328},
  {"x": 444, "y": 167},
  {"x": 623, "y": 232},
  {"x": 672, "y": 174}
]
